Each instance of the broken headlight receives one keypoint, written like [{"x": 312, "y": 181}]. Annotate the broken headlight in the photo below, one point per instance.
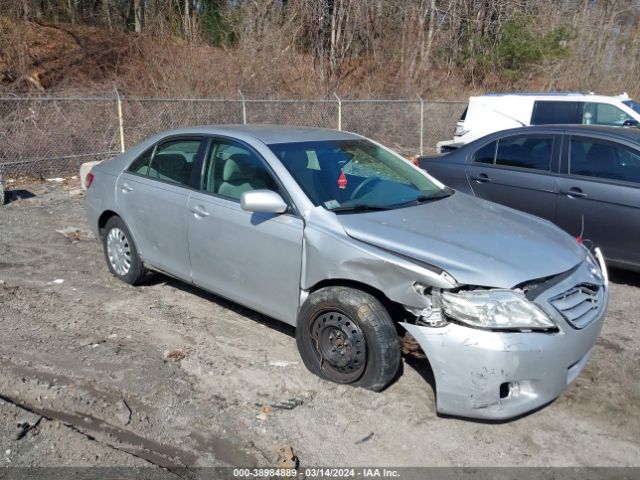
[{"x": 495, "y": 309}]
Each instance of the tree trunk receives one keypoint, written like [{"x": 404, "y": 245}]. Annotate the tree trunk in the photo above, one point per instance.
[
  {"x": 186, "y": 19},
  {"x": 431, "y": 29},
  {"x": 137, "y": 15}
]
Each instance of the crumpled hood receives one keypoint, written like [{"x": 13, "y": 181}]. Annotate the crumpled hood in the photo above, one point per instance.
[{"x": 478, "y": 242}]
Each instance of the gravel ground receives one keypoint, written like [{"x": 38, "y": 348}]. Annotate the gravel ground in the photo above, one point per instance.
[{"x": 168, "y": 375}]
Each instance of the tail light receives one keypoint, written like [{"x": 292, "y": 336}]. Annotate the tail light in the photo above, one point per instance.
[
  {"x": 88, "y": 180},
  {"x": 416, "y": 161}
]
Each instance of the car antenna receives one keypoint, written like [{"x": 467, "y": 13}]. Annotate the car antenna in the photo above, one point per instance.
[{"x": 510, "y": 117}]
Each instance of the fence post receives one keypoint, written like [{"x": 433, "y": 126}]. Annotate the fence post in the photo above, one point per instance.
[
  {"x": 120, "y": 121},
  {"x": 244, "y": 107},
  {"x": 339, "y": 110},
  {"x": 421, "y": 125}
]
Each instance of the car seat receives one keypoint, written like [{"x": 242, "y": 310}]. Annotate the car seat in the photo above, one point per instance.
[
  {"x": 239, "y": 175},
  {"x": 602, "y": 161},
  {"x": 170, "y": 166},
  {"x": 537, "y": 153},
  {"x": 297, "y": 163},
  {"x": 510, "y": 155}
]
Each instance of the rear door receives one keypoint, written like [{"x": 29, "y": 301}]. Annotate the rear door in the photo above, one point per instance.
[
  {"x": 517, "y": 171},
  {"x": 252, "y": 258},
  {"x": 153, "y": 196},
  {"x": 600, "y": 195}
]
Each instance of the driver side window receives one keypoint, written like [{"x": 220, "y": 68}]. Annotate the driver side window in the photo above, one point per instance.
[{"x": 232, "y": 169}]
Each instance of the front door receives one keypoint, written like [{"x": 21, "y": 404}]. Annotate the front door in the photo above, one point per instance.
[{"x": 252, "y": 258}]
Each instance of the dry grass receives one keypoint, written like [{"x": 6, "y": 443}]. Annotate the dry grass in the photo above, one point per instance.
[{"x": 264, "y": 62}]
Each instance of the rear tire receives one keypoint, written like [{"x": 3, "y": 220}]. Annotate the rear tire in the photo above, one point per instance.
[
  {"x": 121, "y": 253},
  {"x": 346, "y": 336}
]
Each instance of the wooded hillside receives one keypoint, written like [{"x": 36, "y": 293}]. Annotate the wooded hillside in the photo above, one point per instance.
[{"x": 283, "y": 48}]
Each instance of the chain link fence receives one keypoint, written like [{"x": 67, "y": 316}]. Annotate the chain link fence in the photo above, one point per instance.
[{"x": 46, "y": 136}]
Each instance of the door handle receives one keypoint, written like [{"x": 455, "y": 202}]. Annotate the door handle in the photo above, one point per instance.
[
  {"x": 126, "y": 188},
  {"x": 481, "y": 178},
  {"x": 199, "y": 211},
  {"x": 575, "y": 192}
]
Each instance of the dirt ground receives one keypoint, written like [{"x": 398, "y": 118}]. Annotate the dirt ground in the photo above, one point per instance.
[{"x": 97, "y": 372}]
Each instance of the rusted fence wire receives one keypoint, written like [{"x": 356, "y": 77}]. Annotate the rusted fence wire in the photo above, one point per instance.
[{"x": 52, "y": 136}]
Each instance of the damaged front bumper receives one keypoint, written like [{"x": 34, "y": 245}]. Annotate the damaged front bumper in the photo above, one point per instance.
[{"x": 499, "y": 375}]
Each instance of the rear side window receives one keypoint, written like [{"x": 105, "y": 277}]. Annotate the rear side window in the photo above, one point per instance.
[
  {"x": 547, "y": 112},
  {"x": 173, "y": 161},
  {"x": 486, "y": 154},
  {"x": 141, "y": 164},
  {"x": 525, "y": 151},
  {"x": 595, "y": 158}
]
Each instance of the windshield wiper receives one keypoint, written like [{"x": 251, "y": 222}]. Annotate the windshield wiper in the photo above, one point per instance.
[
  {"x": 420, "y": 199},
  {"x": 359, "y": 207}
]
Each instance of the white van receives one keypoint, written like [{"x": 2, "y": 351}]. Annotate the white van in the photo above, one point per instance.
[{"x": 500, "y": 111}]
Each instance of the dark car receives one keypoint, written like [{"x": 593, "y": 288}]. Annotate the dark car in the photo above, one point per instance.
[{"x": 585, "y": 179}]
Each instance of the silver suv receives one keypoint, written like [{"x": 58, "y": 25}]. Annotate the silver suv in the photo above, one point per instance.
[{"x": 353, "y": 245}]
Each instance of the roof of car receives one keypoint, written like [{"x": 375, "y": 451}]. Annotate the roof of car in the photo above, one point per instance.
[
  {"x": 270, "y": 134},
  {"x": 538, "y": 94},
  {"x": 628, "y": 133},
  {"x": 550, "y": 96}
]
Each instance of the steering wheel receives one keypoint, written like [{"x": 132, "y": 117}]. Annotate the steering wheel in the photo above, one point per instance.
[{"x": 359, "y": 188}]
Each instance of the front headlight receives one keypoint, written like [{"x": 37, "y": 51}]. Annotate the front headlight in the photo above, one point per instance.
[{"x": 495, "y": 309}]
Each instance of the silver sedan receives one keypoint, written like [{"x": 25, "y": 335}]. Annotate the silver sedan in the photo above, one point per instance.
[{"x": 353, "y": 245}]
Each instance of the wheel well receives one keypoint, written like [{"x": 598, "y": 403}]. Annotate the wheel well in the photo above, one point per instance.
[
  {"x": 104, "y": 218},
  {"x": 396, "y": 310}
]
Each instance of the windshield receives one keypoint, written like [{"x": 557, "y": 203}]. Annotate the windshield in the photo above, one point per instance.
[
  {"x": 343, "y": 175},
  {"x": 632, "y": 104}
]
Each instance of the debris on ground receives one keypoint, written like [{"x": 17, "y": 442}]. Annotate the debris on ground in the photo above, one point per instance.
[
  {"x": 287, "y": 459},
  {"x": 56, "y": 180},
  {"x": 75, "y": 192},
  {"x": 177, "y": 354},
  {"x": 266, "y": 410},
  {"x": 123, "y": 412},
  {"x": 288, "y": 404},
  {"x": 57, "y": 281},
  {"x": 27, "y": 422},
  {"x": 365, "y": 439},
  {"x": 281, "y": 363},
  {"x": 70, "y": 233}
]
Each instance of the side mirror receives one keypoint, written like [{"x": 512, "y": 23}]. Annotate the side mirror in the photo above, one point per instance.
[
  {"x": 262, "y": 201},
  {"x": 631, "y": 123}
]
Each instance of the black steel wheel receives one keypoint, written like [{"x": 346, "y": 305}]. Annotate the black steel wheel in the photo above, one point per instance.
[
  {"x": 340, "y": 345},
  {"x": 346, "y": 336}
]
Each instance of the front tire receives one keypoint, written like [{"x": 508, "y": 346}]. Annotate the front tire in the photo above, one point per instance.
[
  {"x": 347, "y": 336},
  {"x": 120, "y": 252}
]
